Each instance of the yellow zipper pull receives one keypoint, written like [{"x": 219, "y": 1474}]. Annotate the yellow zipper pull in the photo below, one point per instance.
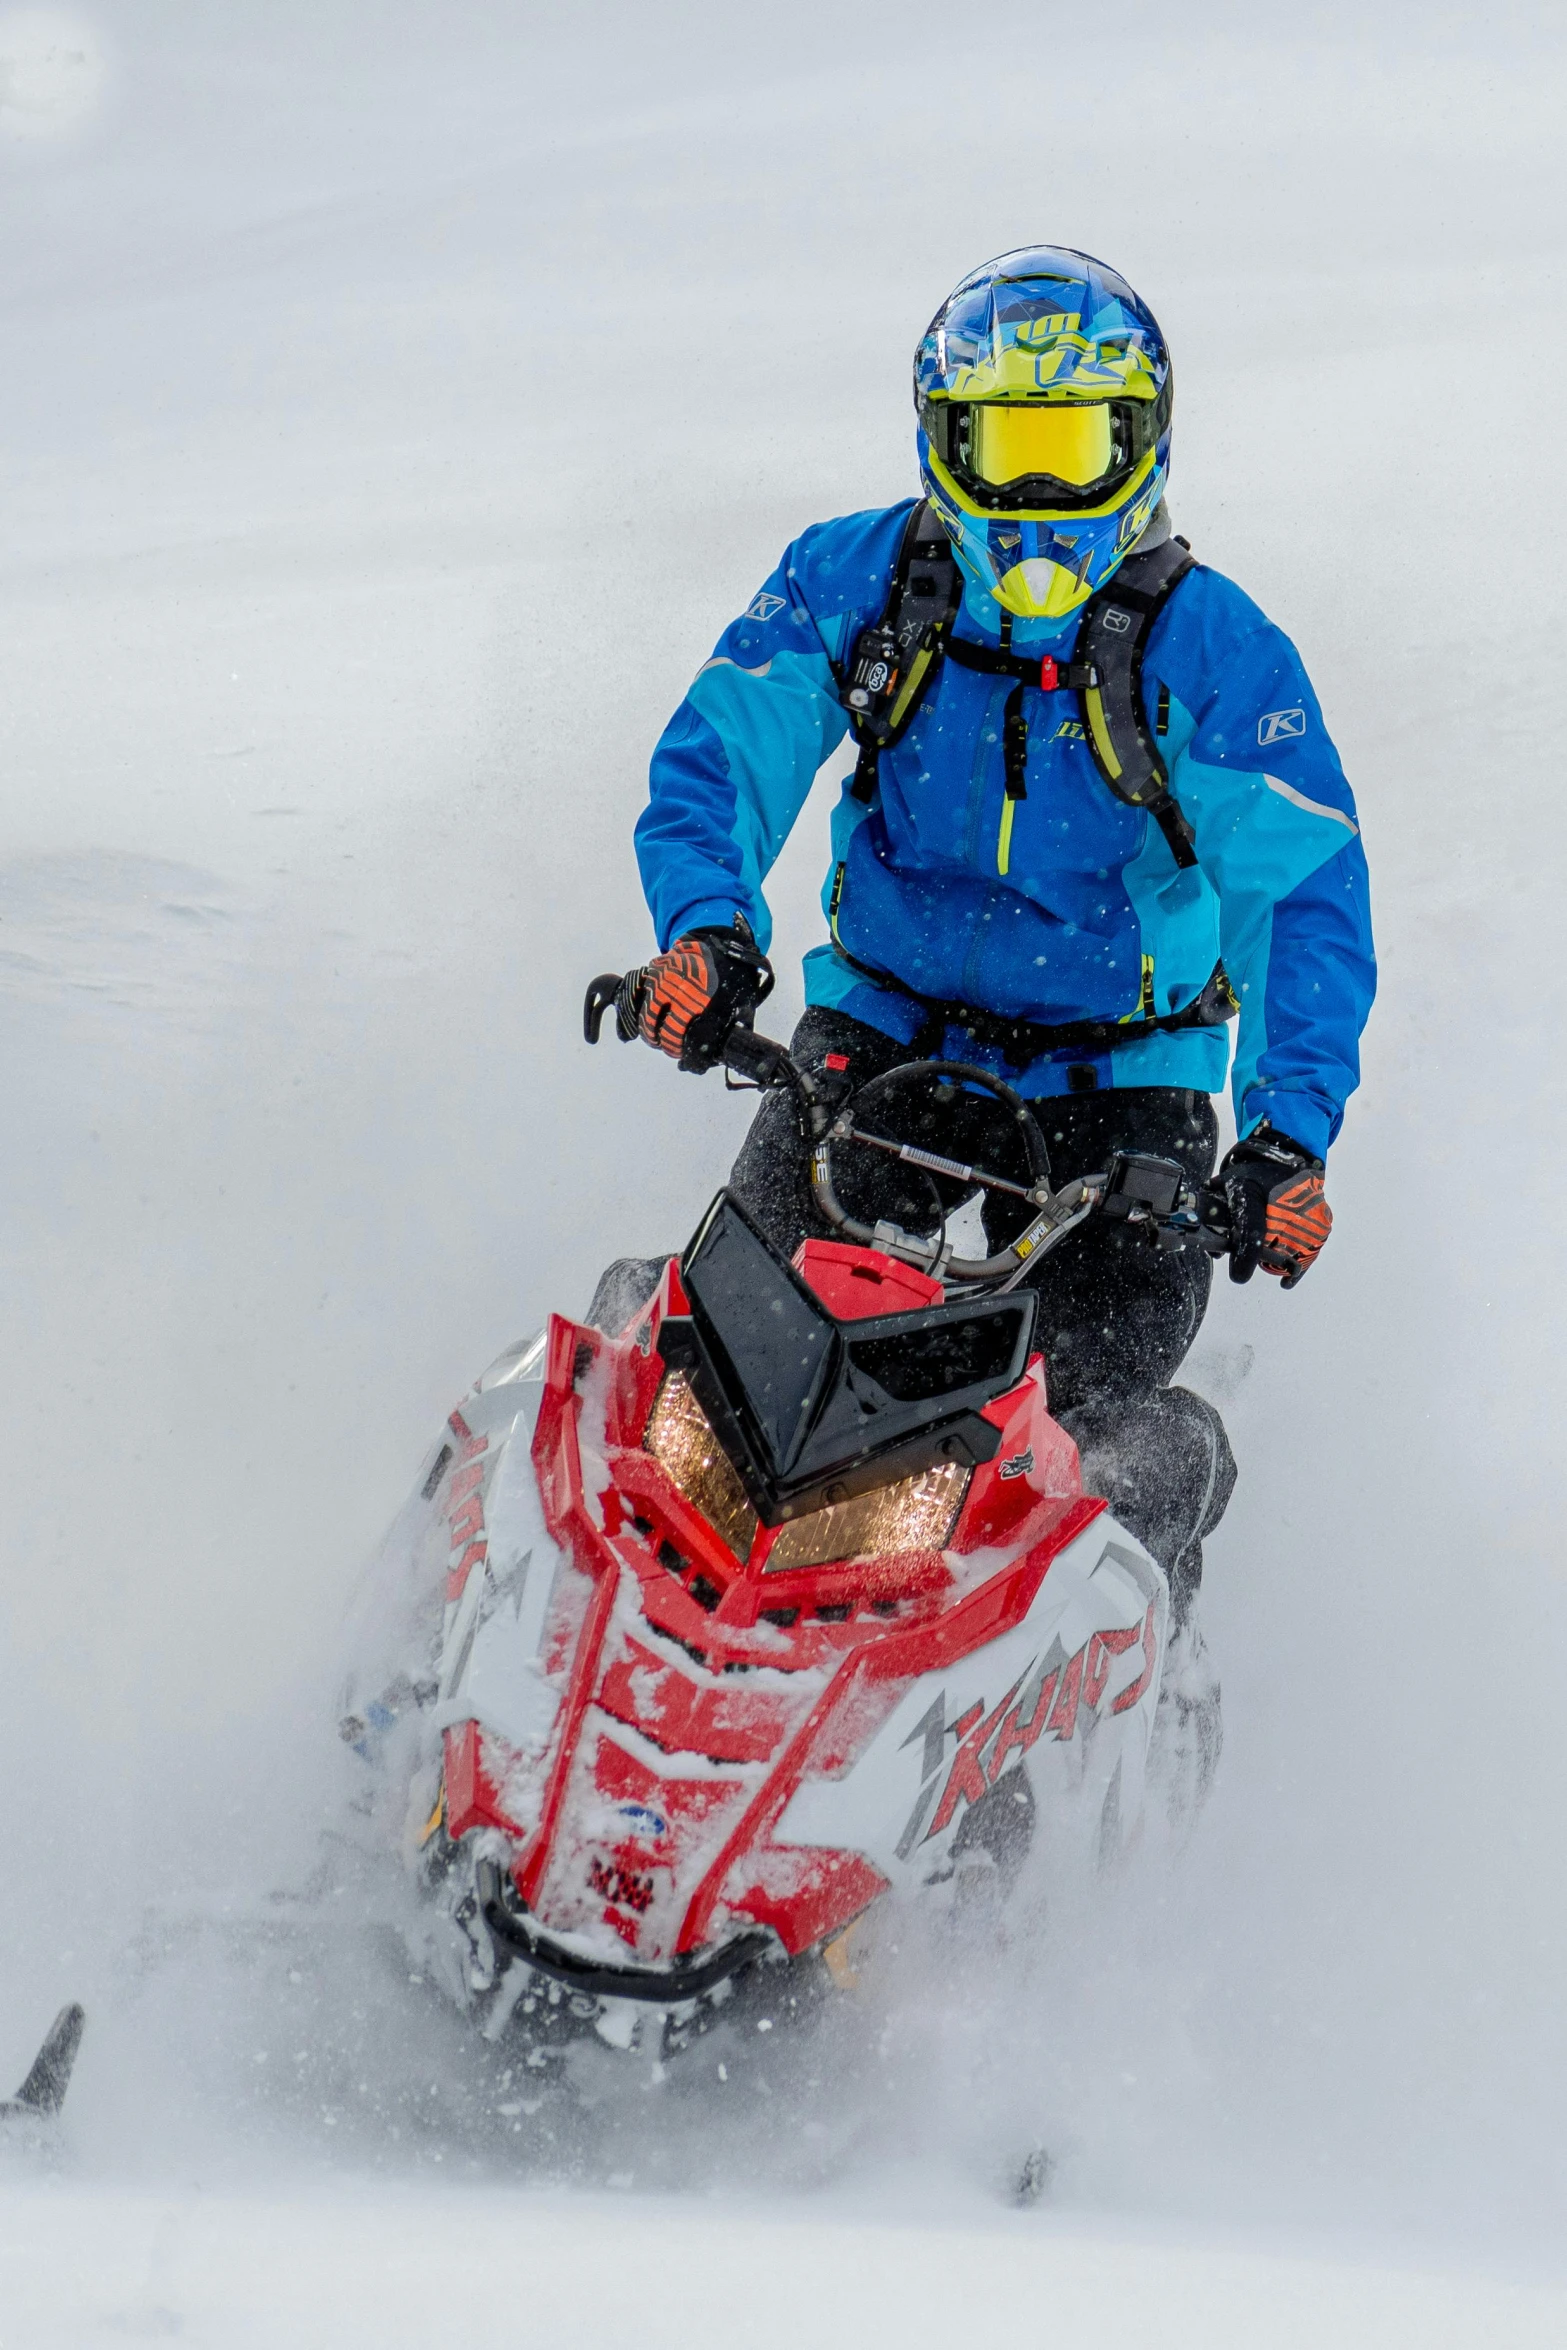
[{"x": 1004, "y": 837}]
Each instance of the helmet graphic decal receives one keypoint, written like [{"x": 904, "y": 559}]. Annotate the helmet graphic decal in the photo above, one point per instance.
[{"x": 1044, "y": 394}]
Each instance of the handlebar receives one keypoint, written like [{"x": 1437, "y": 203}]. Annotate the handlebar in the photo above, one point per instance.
[{"x": 1156, "y": 1195}]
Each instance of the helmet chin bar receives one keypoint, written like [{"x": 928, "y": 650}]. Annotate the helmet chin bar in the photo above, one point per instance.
[{"x": 1083, "y": 546}]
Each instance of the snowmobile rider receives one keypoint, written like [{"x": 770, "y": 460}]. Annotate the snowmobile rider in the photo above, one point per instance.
[{"x": 1095, "y": 815}]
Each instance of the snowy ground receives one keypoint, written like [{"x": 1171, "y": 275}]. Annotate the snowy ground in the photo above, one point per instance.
[{"x": 396, "y": 402}]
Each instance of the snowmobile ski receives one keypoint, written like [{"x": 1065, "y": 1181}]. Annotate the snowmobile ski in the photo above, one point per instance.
[{"x": 43, "y": 2092}]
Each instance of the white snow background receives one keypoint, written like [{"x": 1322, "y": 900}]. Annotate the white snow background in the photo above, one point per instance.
[{"x": 395, "y": 401}]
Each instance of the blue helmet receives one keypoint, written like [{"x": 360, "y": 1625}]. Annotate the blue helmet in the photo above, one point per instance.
[{"x": 1044, "y": 394}]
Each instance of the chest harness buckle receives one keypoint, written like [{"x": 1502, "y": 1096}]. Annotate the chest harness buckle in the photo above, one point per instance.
[
  {"x": 896, "y": 659},
  {"x": 892, "y": 667}
]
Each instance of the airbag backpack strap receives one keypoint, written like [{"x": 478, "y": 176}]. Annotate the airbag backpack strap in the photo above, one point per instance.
[
  {"x": 1110, "y": 645},
  {"x": 891, "y": 661}
]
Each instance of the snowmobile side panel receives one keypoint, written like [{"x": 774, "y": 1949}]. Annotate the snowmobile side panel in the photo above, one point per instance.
[
  {"x": 473, "y": 1797},
  {"x": 868, "y": 1688},
  {"x": 1078, "y": 1671}
]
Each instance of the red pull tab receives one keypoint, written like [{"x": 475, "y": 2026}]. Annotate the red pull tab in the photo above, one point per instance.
[
  {"x": 1049, "y": 675},
  {"x": 837, "y": 1062}
]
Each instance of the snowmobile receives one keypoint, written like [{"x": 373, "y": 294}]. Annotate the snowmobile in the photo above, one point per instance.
[{"x": 764, "y": 1597}]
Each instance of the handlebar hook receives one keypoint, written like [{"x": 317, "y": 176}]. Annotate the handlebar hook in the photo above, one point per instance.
[{"x": 599, "y": 999}]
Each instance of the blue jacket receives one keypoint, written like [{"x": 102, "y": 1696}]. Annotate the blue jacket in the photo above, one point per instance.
[{"x": 1083, "y": 910}]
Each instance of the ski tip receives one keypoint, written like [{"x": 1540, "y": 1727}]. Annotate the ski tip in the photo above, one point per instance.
[{"x": 43, "y": 2092}]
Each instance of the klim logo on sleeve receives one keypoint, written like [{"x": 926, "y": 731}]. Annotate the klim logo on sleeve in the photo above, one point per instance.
[
  {"x": 1278, "y": 726},
  {"x": 764, "y": 607}
]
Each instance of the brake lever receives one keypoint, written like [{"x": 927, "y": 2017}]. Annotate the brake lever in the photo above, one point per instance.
[{"x": 1140, "y": 1189}]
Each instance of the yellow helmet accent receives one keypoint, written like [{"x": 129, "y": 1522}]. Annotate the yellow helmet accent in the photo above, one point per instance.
[
  {"x": 1040, "y": 587},
  {"x": 1040, "y": 590},
  {"x": 1066, "y": 515},
  {"x": 1054, "y": 365},
  {"x": 1044, "y": 393}
]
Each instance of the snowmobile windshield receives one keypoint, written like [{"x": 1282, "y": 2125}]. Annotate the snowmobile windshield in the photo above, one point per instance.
[
  {"x": 812, "y": 1409},
  {"x": 775, "y": 1339}
]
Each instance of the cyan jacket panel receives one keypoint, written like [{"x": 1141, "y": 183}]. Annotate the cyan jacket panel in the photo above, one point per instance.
[{"x": 1075, "y": 908}]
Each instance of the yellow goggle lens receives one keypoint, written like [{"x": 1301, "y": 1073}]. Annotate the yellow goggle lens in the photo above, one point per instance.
[{"x": 1071, "y": 443}]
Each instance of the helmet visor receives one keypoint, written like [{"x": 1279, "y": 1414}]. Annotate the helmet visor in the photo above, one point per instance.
[{"x": 1073, "y": 443}]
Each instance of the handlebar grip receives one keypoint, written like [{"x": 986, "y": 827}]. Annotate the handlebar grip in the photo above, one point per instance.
[
  {"x": 1215, "y": 1227},
  {"x": 755, "y": 1057}
]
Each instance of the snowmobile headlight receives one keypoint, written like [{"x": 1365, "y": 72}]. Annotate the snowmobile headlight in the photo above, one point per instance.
[
  {"x": 680, "y": 1438},
  {"x": 917, "y": 1513}
]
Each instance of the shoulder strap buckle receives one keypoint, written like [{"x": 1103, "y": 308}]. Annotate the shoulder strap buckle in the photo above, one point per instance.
[{"x": 893, "y": 660}]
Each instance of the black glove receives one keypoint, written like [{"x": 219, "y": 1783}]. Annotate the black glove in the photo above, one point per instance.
[
  {"x": 1279, "y": 1219},
  {"x": 688, "y": 999}
]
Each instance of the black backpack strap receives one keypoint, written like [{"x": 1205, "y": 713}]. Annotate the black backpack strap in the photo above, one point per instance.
[
  {"x": 1106, "y": 670},
  {"x": 893, "y": 661},
  {"x": 1110, "y": 644}
]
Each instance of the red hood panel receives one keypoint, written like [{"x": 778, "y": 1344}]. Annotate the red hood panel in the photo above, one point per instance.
[{"x": 689, "y": 1717}]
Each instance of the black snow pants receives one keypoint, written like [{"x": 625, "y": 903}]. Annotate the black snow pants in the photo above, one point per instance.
[{"x": 1116, "y": 1315}]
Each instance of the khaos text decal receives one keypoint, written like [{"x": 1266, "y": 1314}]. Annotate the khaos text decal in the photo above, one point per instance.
[{"x": 1045, "y": 1701}]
